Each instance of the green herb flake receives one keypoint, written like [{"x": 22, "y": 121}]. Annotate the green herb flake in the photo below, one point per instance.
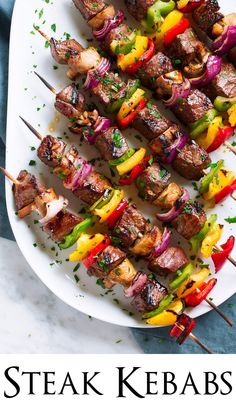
[
  {"x": 54, "y": 27},
  {"x": 32, "y": 162},
  {"x": 231, "y": 220},
  {"x": 76, "y": 267}
]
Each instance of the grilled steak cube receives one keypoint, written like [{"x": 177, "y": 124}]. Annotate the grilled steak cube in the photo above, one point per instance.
[
  {"x": 169, "y": 196},
  {"x": 207, "y": 14},
  {"x": 51, "y": 151},
  {"x": 193, "y": 107},
  {"x": 70, "y": 102},
  {"x": 190, "y": 220},
  {"x": 88, "y": 8},
  {"x": 157, "y": 66},
  {"x": 61, "y": 225},
  {"x": 93, "y": 188},
  {"x": 26, "y": 190},
  {"x": 109, "y": 259},
  {"x": 224, "y": 84},
  {"x": 232, "y": 55},
  {"x": 130, "y": 225},
  {"x": 111, "y": 144},
  {"x": 110, "y": 88},
  {"x": 122, "y": 32},
  {"x": 161, "y": 145},
  {"x": 169, "y": 261},
  {"x": 187, "y": 48},
  {"x": 150, "y": 123},
  {"x": 152, "y": 181},
  {"x": 62, "y": 50},
  {"x": 138, "y": 8},
  {"x": 191, "y": 161},
  {"x": 150, "y": 296}
]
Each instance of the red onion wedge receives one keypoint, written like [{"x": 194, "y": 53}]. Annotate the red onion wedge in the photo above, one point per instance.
[
  {"x": 102, "y": 125},
  {"x": 52, "y": 208},
  {"x": 83, "y": 169},
  {"x": 109, "y": 25},
  {"x": 213, "y": 67},
  {"x": 179, "y": 91},
  {"x": 174, "y": 212},
  {"x": 161, "y": 246},
  {"x": 226, "y": 41},
  {"x": 179, "y": 143},
  {"x": 93, "y": 76},
  {"x": 137, "y": 284}
]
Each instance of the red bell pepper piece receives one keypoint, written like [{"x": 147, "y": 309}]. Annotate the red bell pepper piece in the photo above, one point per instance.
[
  {"x": 227, "y": 190},
  {"x": 143, "y": 59},
  {"x": 136, "y": 171},
  {"x": 123, "y": 123},
  {"x": 182, "y": 328},
  {"x": 111, "y": 220},
  {"x": 91, "y": 258},
  {"x": 179, "y": 28},
  {"x": 191, "y": 6},
  {"x": 196, "y": 297},
  {"x": 224, "y": 133},
  {"x": 219, "y": 258}
]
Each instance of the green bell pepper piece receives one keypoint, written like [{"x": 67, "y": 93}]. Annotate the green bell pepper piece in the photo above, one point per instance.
[
  {"x": 71, "y": 238},
  {"x": 207, "y": 179},
  {"x": 164, "y": 303},
  {"x": 198, "y": 238},
  {"x": 154, "y": 14},
  {"x": 182, "y": 276},
  {"x": 132, "y": 86},
  {"x": 122, "y": 158},
  {"x": 222, "y": 104},
  {"x": 103, "y": 200},
  {"x": 202, "y": 124}
]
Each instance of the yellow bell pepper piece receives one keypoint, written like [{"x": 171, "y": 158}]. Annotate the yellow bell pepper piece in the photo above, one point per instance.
[
  {"x": 168, "y": 316},
  {"x": 130, "y": 104},
  {"x": 232, "y": 115},
  {"x": 182, "y": 3},
  {"x": 170, "y": 21},
  {"x": 85, "y": 244},
  {"x": 140, "y": 46},
  {"x": 130, "y": 163},
  {"x": 192, "y": 282},
  {"x": 210, "y": 240},
  {"x": 223, "y": 178},
  {"x": 107, "y": 209},
  {"x": 207, "y": 137}
]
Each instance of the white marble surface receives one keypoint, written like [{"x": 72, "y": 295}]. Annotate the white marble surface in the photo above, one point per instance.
[{"x": 33, "y": 320}]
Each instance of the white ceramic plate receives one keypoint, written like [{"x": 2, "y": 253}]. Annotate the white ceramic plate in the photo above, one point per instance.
[{"x": 30, "y": 99}]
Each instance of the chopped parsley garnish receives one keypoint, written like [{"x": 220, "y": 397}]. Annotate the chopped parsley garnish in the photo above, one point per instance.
[
  {"x": 100, "y": 283},
  {"x": 76, "y": 267},
  {"x": 54, "y": 27},
  {"x": 117, "y": 139},
  {"x": 32, "y": 162},
  {"x": 231, "y": 220}
]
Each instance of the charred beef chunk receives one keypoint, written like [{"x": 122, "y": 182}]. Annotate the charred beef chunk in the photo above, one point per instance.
[
  {"x": 207, "y": 14},
  {"x": 169, "y": 261},
  {"x": 88, "y": 8},
  {"x": 122, "y": 32},
  {"x": 62, "y": 50},
  {"x": 232, "y": 55},
  {"x": 26, "y": 190},
  {"x": 110, "y": 88},
  {"x": 61, "y": 225},
  {"x": 150, "y": 123},
  {"x": 93, "y": 188},
  {"x": 130, "y": 225},
  {"x": 138, "y": 8},
  {"x": 187, "y": 47},
  {"x": 70, "y": 102},
  {"x": 193, "y": 107},
  {"x": 152, "y": 181},
  {"x": 190, "y": 220},
  {"x": 109, "y": 259},
  {"x": 157, "y": 66},
  {"x": 161, "y": 145},
  {"x": 150, "y": 296},
  {"x": 169, "y": 196},
  {"x": 51, "y": 151},
  {"x": 111, "y": 144},
  {"x": 224, "y": 84},
  {"x": 191, "y": 161}
]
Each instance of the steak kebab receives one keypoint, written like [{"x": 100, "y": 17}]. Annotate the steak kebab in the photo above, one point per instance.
[
  {"x": 148, "y": 294},
  {"x": 136, "y": 55}
]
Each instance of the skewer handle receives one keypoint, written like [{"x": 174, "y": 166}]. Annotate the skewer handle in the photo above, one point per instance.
[
  {"x": 219, "y": 311},
  {"x": 197, "y": 341}
]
